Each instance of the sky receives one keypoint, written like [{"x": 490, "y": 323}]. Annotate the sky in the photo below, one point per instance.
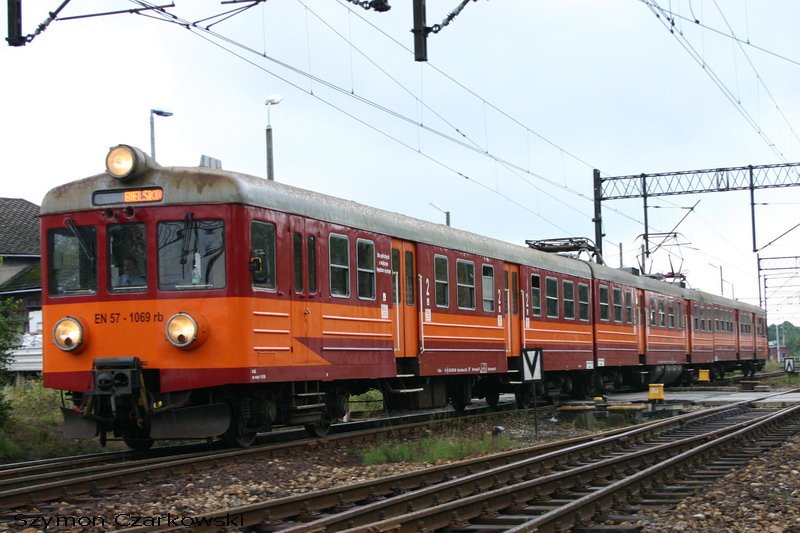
[{"x": 519, "y": 101}]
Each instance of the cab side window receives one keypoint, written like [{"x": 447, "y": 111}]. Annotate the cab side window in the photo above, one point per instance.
[{"x": 262, "y": 255}]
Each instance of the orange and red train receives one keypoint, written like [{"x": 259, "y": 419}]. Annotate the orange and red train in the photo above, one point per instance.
[{"x": 194, "y": 302}]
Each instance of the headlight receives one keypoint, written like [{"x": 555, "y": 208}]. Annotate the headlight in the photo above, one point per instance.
[
  {"x": 125, "y": 162},
  {"x": 181, "y": 330},
  {"x": 68, "y": 334}
]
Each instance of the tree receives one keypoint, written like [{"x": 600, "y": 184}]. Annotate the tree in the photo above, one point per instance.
[
  {"x": 11, "y": 321},
  {"x": 790, "y": 336},
  {"x": 10, "y": 328}
]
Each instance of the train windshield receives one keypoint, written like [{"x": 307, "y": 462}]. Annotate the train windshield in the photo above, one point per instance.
[
  {"x": 72, "y": 260},
  {"x": 191, "y": 254},
  {"x": 127, "y": 257}
]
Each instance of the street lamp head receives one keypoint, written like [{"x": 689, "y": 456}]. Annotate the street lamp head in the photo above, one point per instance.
[
  {"x": 273, "y": 99},
  {"x": 161, "y": 112}
]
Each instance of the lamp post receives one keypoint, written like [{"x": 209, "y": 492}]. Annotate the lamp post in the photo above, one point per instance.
[
  {"x": 160, "y": 113},
  {"x": 273, "y": 99}
]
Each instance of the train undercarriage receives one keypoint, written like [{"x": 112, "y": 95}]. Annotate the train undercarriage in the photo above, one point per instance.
[{"x": 125, "y": 401}]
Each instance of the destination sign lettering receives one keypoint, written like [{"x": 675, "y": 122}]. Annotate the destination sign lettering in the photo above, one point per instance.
[{"x": 129, "y": 196}]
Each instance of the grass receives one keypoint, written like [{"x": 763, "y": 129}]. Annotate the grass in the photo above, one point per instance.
[
  {"x": 33, "y": 429},
  {"x": 434, "y": 450},
  {"x": 370, "y": 401}
]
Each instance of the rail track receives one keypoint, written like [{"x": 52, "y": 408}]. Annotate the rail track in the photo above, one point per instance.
[
  {"x": 545, "y": 488},
  {"x": 36, "y": 481}
]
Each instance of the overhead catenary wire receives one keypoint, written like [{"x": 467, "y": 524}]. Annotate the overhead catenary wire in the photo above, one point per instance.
[
  {"x": 468, "y": 143},
  {"x": 661, "y": 15},
  {"x": 195, "y": 30},
  {"x": 321, "y": 81}
]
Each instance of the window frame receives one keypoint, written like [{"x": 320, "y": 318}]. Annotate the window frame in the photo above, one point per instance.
[
  {"x": 270, "y": 256},
  {"x": 616, "y": 295},
  {"x": 469, "y": 288},
  {"x": 344, "y": 267},
  {"x": 366, "y": 271},
  {"x": 584, "y": 305},
  {"x": 571, "y": 301},
  {"x": 548, "y": 297},
  {"x": 628, "y": 306},
  {"x": 487, "y": 288},
  {"x": 605, "y": 304},
  {"x": 536, "y": 295},
  {"x": 445, "y": 283}
]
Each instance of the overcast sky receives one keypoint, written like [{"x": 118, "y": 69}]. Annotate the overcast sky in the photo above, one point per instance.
[{"x": 502, "y": 127}]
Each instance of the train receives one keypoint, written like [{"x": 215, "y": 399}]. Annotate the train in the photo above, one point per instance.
[{"x": 196, "y": 303}]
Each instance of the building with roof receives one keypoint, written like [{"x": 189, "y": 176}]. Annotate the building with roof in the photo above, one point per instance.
[{"x": 21, "y": 277}]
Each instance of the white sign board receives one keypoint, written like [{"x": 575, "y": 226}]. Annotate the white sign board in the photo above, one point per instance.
[
  {"x": 788, "y": 365},
  {"x": 532, "y": 365}
]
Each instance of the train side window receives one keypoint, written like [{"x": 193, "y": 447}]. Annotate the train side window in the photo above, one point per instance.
[
  {"x": 505, "y": 289},
  {"x": 604, "y": 307},
  {"x": 465, "y": 284},
  {"x": 297, "y": 253},
  {"x": 365, "y": 257},
  {"x": 441, "y": 277},
  {"x": 703, "y": 319},
  {"x": 671, "y": 312},
  {"x": 487, "y": 288},
  {"x": 262, "y": 255},
  {"x": 127, "y": 257},
  {"x": 395, "y": 275},
  {"x": 662, "y": 316},
  {"x": 536, "y": 294},
  {"x": 679, "y": 314},
  {"x": 191, "y": 254},
  {"x": 629, "y": 307},
  {"x": 583, "y": 301},
  {"x": 410, "y": 278},
  {"x": 551, "y": 292},
  {"x": 72, "y": 255},
  {"x": 515, "y": 293},
  {"x": 569, "y": 299},
  {"x": 339, "y": 260},
  {"x": 652, "y": 311},
  {"x": 617, "y": 304},
  {"x": 311, "y": 245}
]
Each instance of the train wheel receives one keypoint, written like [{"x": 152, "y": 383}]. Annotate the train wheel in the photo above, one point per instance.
[
  {"x": 493, "y": 398},
  {"x": 320, "y": 429},
  {"x": 238, "y": 434},
  {"x": 137, "y": 438},
  {"x": 234, "y": 438}
]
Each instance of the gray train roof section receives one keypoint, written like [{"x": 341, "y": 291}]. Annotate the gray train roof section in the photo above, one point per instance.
[
  {"x": 208, "y": 186},
  {"x": 192, "y": 185},
  {"x": 602, "y": 272}
]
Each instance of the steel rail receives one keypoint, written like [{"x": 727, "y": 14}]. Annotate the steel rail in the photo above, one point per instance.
[
  {"x": 508, "y": 503},
  {"x": 587, "y": 506},
  {"x": 54, "y": 480},
  {"x": 388, "y": 495}
]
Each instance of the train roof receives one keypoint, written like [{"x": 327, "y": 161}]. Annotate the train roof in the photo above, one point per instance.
[
  {"x": 190, "y": 185},
  {"x": 202, "y": 185}
]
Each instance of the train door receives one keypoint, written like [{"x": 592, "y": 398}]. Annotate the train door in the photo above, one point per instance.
[
  {"x": 302, "y": 282},
  {"x": 511, "y": 297},
  {"x": 641, "y": 321},
  {"x": 404, "y": 316}
]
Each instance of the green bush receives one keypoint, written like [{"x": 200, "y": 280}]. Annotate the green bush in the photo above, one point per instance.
[
  {"x": 33, "y": 426},
  {"x": 372, "y": 400}
]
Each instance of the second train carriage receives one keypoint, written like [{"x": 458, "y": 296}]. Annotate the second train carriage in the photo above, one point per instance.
[{"x": 191, "y": 302}]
